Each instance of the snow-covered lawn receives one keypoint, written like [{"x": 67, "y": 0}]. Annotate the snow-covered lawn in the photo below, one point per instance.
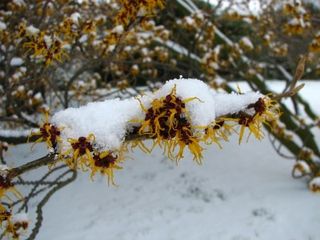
[{"x": 239, "y": 193}]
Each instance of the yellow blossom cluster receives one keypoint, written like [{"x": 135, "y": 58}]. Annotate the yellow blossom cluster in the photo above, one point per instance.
[
  {"x": 15, "y": 228},
  {"x": 131, "y": 9},
  {"x": 53, "y": 44},
  {"x": 280, "y": 131},
  {"x": 81, "y": 153},
  {"x": 29, "y": 100},
  {"x": 12, "y": 228},
  {"x": 167, "y": 122},
  {"x": 269, "y": 37},
  {"x": 314, "y": 46},
  {"x": 307, "y": 167},
  {"x": 49, "y": 134},
  {"x": 299, "y": 18},
  {"x": 45, "y": 48},
  {"x": 85, "y": 156},
  {"x": 314, "y": 184},
  {"x": 203, "y": 30}
]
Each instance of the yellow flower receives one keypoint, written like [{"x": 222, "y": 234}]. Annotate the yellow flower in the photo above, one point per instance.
[
  {"x": 293, "y": 29},
  {"x": 41, "y": 50},
  {"x": 166, "y": 121},
  {"x": 5, "y": 183},
  {"x": 314, "y": 46},
  {"x": 219, "y": 130},
  {"x": 37, "y": 44},
  {"x": 105, "y": 163},
  {"x": 89, "y": 27},
  {"x": 289, "y": 9},
  {"x": 314, "y": 184},
  {"x": 68, "y": 29},
  {"x": 6, "y": 186},
  {"x": 301, "y": 169},
  {"x": 85, "y": 157},
  {"x": 265, "y": 111},
  {"x": 5, "y": 215},
  {"x": 193, "y": 146},
  {"x": 55, "y": 52},
  {"x": 131, "y": 8},
  {"x": 48, "y": 133},
  {"x": 81, "y": 150},
  {"x": 14, "y": 228}
]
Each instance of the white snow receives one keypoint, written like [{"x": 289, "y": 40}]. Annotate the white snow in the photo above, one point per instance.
[
  {"x": 294, "y": 2},
  {"x": 19, "y": 2},
  {"x": 189, "y": 20},
  {"x": 118, "y": 29},
  {"x": 75, "y": 17},
  {"x": 3, "y": 26},
  {"x": 300, "y": 10},
  {"x": 3, "y": 170},
  {"x": 48, "y": 40},
  {"x": 20, "y": 217},
  {"x": 83, "y": 38},
  {"x": 31, "y": 30},
  {"x": 15, "y": 133},
  {"x": 304, "y": 166},
  {"x": 247, "y": 42},
  {"x": 295, "y": 21},
  {"x": 232, "y": 103},
  {"x": 20, "y": 88},
  {"x": 109, "y": 120},
  {"x": 315, "y": 182},
  {"x": 186, "y": 6},
  {"x": 37, "y": 96},
  {"x": 178, "y": 48},
  {"x": 16, "y": 61},
  {"x": 106, "y": 120},
  {"x": 202, "y": 111}
]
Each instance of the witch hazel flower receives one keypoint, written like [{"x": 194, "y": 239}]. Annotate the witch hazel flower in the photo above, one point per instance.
[{"x": 314, "y": 184}]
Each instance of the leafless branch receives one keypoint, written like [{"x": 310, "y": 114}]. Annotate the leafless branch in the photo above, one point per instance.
[
  {"x": 43, "y": 202},
  {"x": 293, "y": 89}
]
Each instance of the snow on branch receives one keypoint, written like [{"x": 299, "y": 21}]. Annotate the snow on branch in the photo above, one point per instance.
[{"x": 182, "y": 114}]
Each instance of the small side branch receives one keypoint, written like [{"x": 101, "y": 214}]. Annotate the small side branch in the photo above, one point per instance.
[
  {"x": 293, "y": 88},
  {"x": 46, "y": 160},
  {"x": 43, "y": 202}
]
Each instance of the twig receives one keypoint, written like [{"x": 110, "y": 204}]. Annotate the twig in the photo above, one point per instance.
[
  {"x": 278, "y": 149},
  {"x": 43, "y": 202},
  {"x": 52, "y": 158},
  {"x": 18, "y": 139},
  {"x": 293, "y": 89},
  {"x": 46, "y": 160},
  {"x": 33, "y": 190}
]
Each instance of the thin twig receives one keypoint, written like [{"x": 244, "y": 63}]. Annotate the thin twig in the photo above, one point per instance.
[
  {"x": 43, "y": 202},
  {"x": 33, "y": 190},
  {"x": 278, "y": 148},
  {"x": 293, "y": 89},
  {"x": 46, "y": 160}
]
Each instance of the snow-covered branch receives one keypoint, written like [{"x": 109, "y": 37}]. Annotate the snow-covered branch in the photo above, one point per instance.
[{"x": 183, "y": 113}]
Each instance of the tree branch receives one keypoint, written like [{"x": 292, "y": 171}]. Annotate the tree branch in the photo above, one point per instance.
[
  {"x": 43, "y": 202},
  {"x": 48, "y": 159}
]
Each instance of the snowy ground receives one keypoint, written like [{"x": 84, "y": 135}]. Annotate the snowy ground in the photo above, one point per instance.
[{"x": 239, "y": 193}]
